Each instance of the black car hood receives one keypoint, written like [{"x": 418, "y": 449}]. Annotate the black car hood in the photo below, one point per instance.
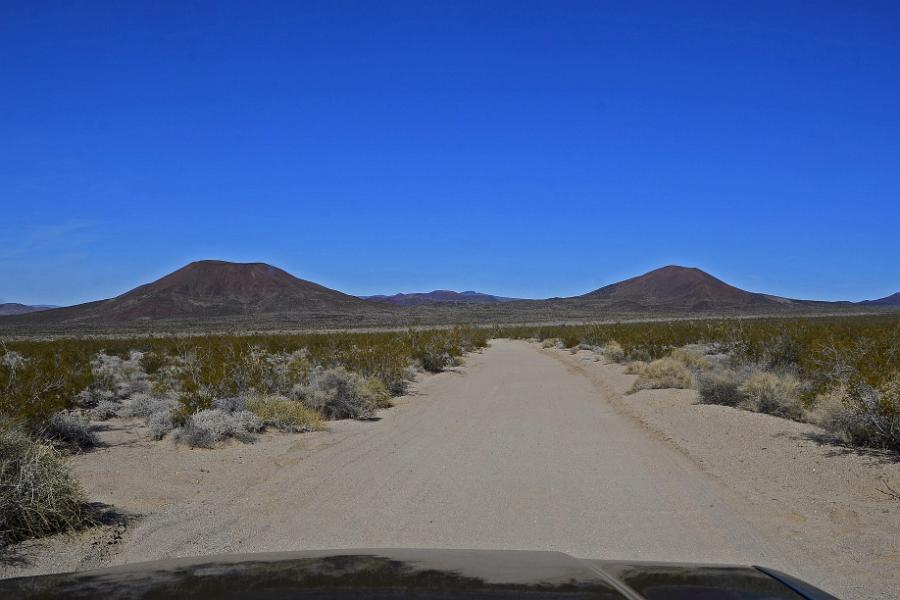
[{"x": 396, "y": 573}]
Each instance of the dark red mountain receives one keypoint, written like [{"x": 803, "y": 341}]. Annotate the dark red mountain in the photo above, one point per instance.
[
  {"x": 211, "y": 289},
  {"x": 681, "y": 287}
]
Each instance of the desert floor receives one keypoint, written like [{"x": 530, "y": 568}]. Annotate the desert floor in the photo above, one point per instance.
[{"x": 521, "y": 448}]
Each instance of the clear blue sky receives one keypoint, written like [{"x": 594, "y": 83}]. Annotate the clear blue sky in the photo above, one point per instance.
[{"x": 521, "y": 148}]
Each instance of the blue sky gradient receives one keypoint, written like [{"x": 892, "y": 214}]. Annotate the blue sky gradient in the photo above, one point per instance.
[{"x": 526, "y": 149}]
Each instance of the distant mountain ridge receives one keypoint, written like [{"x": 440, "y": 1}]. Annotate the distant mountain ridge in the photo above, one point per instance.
[
  {"x": 438, "y": 296},
  {"x": 892, "y": 300},
  {"x": 15, "y": 308},
  {"x": 213, "y": 294}
]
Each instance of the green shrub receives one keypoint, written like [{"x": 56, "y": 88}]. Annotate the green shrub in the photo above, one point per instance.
[
  {"x": 38, "y": 493},
  {"x": 434, "y": 360},
  {"x": 190, "y": 403}
]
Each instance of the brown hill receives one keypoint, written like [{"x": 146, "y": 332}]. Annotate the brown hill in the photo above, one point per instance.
[
  {"x": 681, "y": 287},
  {"x": 211, "y": 289}
]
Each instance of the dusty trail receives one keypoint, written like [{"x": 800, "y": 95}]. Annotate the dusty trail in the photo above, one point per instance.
[{"x": 518, "y": 452}]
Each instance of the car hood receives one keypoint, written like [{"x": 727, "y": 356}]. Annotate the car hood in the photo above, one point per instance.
[{"x": 407, "y": 573}]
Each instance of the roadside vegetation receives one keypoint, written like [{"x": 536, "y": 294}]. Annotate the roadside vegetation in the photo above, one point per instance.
[
  {"x": 197, "y": 391},
  {"x": 842, "y": 373},
  {"x": 38, "y": 493}
]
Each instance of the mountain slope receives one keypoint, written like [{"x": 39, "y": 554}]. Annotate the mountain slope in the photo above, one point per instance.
[
  {"x": 892, "y": 300},
  {"x": 680, "y": 287},
  {"x": 438, "y": 296}
]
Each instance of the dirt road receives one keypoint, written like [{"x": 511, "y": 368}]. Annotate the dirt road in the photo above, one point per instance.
[
  {"x": 514, "y": 453},
  {"x": 516, "y": 450}
]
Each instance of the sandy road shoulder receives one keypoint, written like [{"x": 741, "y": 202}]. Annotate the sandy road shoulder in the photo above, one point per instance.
[{"x": 822, "y": 504}]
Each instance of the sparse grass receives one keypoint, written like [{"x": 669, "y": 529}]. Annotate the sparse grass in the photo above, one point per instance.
[
  {"x": 38, "y": 493},
  {"x": 692, "y": 360},
  {"x": 285, "y": 414},
  {"x": 662, "y": 373},
  {"x": 772, "y": 393}
]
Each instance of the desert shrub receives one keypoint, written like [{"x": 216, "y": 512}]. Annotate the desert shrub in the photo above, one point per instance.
[
  {"x": 635, "y": 367},
  {"x": 92, "y": 397},
  {"x": 662, "y": 373},
  {"x": 830, "y": 412},
  {"x": 45, "y": 382},
  {"x": 570, "y": 339},
  {"x": 398, "y": 384},
  {"x": 190, "y": 403},
  {"x": 152, "y": 362},
  {"x": 549, "y": 343},
  {"x": 144, "y": 405},
  {"x": 772, "y": 393},
  {"x": 434, "y": 360},
  {"x": 38, "y": 493},
  {"x": 166, "y": 380},
  {"x": 12, "y": 360},
  {"x": 230, "y": 405},
  {"x": 378, "y": 392},
  {"x": 159, "y": 424},
  {"x": 71, "y": 430},
  {"x": 613, "y": 351},
  {"x": 105, "y": 409},
  {"x": 206, "y": 428},
  {"x": 339, "y": 394},
  {"x": 691, "y": 359},
  {"x": 41, "y": 377},
  {"x": 158, "y": 413},
  {"x": 863, "y": 415},
  {"x": 720, "y": 385},
  {"x": 120, "y": 377},
  {"x": 284, "y": 414}
]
